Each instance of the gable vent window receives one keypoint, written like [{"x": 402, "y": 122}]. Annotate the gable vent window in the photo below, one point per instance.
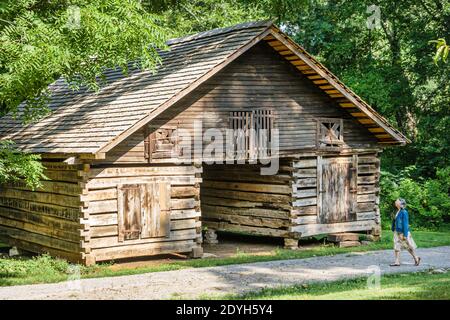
[
  {"x": 252, "y": 133},
  {"x": 161, "y": 143},
  {"x": 330, "y": 132}
]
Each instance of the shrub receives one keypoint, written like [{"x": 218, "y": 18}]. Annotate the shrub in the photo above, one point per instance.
[
  {"x": 428, "y": 200},
  {"x": 43, "y": 264}
]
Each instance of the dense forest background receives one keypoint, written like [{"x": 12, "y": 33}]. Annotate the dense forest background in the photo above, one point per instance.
[{"x": 382, "y": 49}]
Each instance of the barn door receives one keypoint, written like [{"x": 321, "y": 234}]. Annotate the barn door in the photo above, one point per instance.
[
  {"x": 155, "y": 209},
  {"x": 129, "y": 211},
  {"x": 337, "y": 189},
  {"x": 143, "y": 210}
]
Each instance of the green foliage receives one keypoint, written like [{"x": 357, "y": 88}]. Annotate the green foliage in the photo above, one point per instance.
[
  {"x": 19, "y": 166},
  {"x": 442, "y": 50},
  {"x": 44, "y": 264},
  {"x": 412, "y": 286},
  {"x": 428, "y": 200},
  {"x": 187, "y": 17},
  {"x": 41, "y": 41},
  {"x": 76, "y": 39}
]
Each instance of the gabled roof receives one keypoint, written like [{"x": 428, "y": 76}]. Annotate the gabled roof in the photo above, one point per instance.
[{"x": 85, "y": 122}]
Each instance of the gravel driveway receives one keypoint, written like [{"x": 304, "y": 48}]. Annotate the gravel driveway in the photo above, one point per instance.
[{"x": 194, "y": 283}]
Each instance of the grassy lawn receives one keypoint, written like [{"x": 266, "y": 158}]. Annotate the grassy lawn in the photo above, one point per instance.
[
  {"x": 44, "y": 269},
  {"x": 412, "y": 286}
]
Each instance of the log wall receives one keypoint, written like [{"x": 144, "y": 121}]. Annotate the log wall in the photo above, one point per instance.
[
  {"x": 129, "y": 151},
  {"x": 102, "y": 217},
  {"x": 238, "y": 198},
  {"x": 48, "y": 219}
]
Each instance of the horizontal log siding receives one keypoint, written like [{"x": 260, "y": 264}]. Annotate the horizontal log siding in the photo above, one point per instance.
[
  {"x": 304, "y": 190},
  {"x": 131, "y": 150},
  {"x": 369, "y": 189},
  {"x": 239, "y": 198},
  {"x": 257, "y": 79},
  {"x": 49, "y": 218},
  {"x": 185, "y": 226}
]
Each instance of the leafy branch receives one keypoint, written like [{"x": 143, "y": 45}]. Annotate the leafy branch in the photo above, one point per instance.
[
  {"x": 442, "y": 50},
  {"x": 76, "y": 40},
  {"x": 18, "y": 166}
]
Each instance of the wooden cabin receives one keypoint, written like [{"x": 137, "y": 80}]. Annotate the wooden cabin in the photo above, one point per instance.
[{"x": 118, "y": 189}]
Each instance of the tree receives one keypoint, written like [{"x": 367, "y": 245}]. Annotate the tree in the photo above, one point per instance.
[
  {"x": 75, "y": 39},
  {"x": 389, "y": 67},
  {"x": 18, "y": 166},
  {"x": 442, "y": 50},
  {"x": 44, "y": 40},
  {"x": 187, "y": 17}
]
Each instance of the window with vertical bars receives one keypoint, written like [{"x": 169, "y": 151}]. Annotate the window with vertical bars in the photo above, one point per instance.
[{"x": 252, "y": 133}]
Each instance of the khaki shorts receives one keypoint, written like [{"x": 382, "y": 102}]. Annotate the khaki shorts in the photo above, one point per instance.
[{"x": 406, "y": 243}]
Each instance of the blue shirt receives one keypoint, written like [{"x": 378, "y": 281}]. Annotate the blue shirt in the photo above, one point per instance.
[{"x": 401, "y": 222}]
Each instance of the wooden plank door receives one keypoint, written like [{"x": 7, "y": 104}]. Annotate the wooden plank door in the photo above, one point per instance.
[
  {"x": 143, "y": 210},
  {"x": 337, "y": 189},
  {"x": 129, "y": 211},
  {"x": 155, "y": 209}
]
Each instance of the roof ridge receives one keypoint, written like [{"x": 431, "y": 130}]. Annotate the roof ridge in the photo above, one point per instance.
[{"x": 217, "y": 31}]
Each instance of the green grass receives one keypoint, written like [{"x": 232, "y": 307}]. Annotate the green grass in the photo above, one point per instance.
[
  {"x": 44, "y": 269},
  {"x": 411, "y": 286}
]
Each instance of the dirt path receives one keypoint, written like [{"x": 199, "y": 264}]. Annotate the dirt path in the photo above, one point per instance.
[{"x": 195, "y": 283}]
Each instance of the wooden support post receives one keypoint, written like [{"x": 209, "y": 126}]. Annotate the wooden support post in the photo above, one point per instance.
[
  {"x": 375, "y": 234},
  {"x": 88, "y": 259},
  {"x": 211, "y": 237},
  {"x": 196, "y": 253},
  {"x": 347, "y": 244},
  {"x": 14, "y": 251},
  {"x": 290, "y": 243},
  {"x": 345, "y": 240}
]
